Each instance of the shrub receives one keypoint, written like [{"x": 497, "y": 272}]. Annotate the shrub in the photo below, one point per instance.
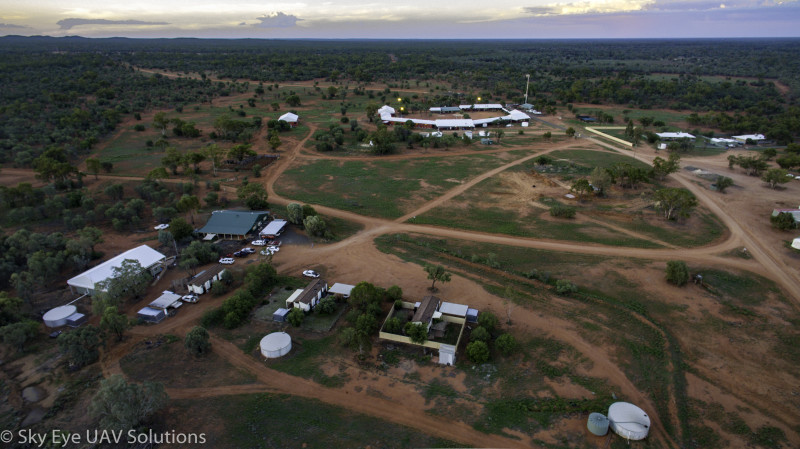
[
  {"x": 197, "y": 341},
  {"x": 784, "y": 221},
  {"x": 562, "y": 211},
  {"x": 488, "y": 321},
  {"x": 393, "y": 325},
  {"x": 418, "y": 333},
  {"x": 565, "y": 287},
  {"x": 506, "y": 344},
  {"x": 478, "y": 351},
  {"x": 394, "y": 293},
  {"x": 326, "y": 306},
  {"x": 296, "y": 317},
  {"x": 480, "y": 334},
  {"x": 677, "y": 272}
]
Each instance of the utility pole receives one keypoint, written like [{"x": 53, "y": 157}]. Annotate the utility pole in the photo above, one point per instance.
[{"x": 528, "y": 78}]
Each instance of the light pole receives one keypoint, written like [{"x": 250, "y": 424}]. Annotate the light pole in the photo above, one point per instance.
[{"x": 528, "y": 78}]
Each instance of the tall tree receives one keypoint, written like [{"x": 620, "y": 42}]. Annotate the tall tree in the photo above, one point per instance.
[
  {"x": 197, "y": 341},
  {"x": 160, "y": 121},
  {"x": 437, "y": 273},
  {"x": 674, "y": 202},
  {"x": 94, "y": 166},
  {"x": 215, "y": 154},
  {"x": 188, "y": 204},
  {"x": 775, "y": 176},
  {"x": 121, "y": 405},
  {"x": 254, "y": 195},
  {"x": 114, "y": 322}
]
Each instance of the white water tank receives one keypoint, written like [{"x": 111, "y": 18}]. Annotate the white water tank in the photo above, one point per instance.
[
  {"x": 628, "y": 421},
  {"x": 58, "y": 317},
  {"x": 276, "y": 344}
]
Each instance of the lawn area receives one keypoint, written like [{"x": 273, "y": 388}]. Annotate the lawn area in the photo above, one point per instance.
[
  {"x": 590, "y": 159},
  {"x": 509, "y": 222},
  {"x": 172, "y": 365},
  {"x": 289, "y": 422},
  {"x": 382, "y": 188},
  {"x": 305, "y": 359}
]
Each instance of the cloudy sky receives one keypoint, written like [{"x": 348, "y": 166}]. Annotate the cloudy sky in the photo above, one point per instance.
[{"x": 400, "y": 19}]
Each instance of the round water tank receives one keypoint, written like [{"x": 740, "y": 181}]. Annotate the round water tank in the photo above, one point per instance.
[
  {"x": 597, "y": 424},
  {"x": 276, "y": 344},
  {"x": 628, "y": 421},
  {"x": 58, "y": 317}
]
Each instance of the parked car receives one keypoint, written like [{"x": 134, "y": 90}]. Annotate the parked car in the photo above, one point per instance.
[
  {"x": 227, "y": 261},
  {"x": 310, "y": 274},
  {"x": 275, "y": 243},
  {"x": 161, "y": 227},
  {"x": 269, "y": 251},
  {"x": 55, "y": 334},
  {"x": 259, "y": 243},
  {"x": 189, "y": 298},
  {"x": 248, "y": 250}
]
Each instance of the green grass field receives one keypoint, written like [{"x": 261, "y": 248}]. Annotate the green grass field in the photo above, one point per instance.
[
  {"x": 282, "y": 421},
  {"x": 382, "y": 188}
]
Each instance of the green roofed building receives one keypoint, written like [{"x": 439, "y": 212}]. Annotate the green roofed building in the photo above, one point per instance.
[{"x": 234, "y": 224}]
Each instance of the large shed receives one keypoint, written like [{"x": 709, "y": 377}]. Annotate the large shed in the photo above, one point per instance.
[
  {"x": 628, "y": 421},
  {"x": 234, "y": 224},
  {"x": 276, "y": 344},
  {"x": 58, "y": 317},
  {"x": 90, "y": 281}
]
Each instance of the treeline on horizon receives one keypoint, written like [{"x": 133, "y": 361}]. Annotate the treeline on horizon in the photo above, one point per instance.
[{"x": 72, "y": 91}]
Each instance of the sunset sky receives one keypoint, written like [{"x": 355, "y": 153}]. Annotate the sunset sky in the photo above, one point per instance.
[{"x": 402, "y": 19}]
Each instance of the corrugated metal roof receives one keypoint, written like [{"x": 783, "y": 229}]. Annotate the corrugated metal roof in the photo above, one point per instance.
[
  {"x": 145, "y": 255},
  {"x": 234, "y": 222}
]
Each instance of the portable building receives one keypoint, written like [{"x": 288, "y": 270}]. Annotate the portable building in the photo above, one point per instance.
[{"x": 151, "y": 315}]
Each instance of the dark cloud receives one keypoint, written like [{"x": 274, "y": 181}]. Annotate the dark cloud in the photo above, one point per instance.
[
  {"x": 541, "y": 10},
  {"x": 277, "y": 20},
  {"x": 67, "y": 24},
  {"x": 11, "y": 25}
]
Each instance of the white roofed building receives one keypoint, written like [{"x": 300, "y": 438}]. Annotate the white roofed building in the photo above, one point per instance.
[
  {"x": 273, "y": 229},
  {"x": 290, "y": 118},
  {"x": 675, "y": 136},
  {"x": 91, "y": 280},
  {"x": 754, "y": 137}
]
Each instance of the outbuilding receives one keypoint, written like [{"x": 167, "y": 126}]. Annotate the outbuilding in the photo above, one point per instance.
[
  {"x": 796, "y": 243},
  {"x": 675, "y": 136},
  {"x": 273, "y": 229},
  {"x": 276, "y": 344},
  {"x": 341, "y": 289},
  {"x": 92, "y": 280},
  {"x": 280, "y": 315},
  {"x": 290, "y": 118},
  {"x": 151, "y": 315},
  {"x": 166, "y": 300},
  {"x": 76, "y": 319}
]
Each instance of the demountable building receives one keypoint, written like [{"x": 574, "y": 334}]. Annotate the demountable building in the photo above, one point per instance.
[
  {"x": 276, "y": 344},
  {"x": 628, "y": 421},
  {"x": 58, "y": 317}
]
